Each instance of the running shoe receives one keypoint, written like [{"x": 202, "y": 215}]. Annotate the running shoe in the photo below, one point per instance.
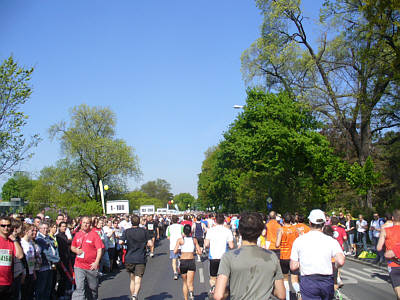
[
  {"x": 151, "y": 254},
  {"x": 298, "y": 296},
  {"x": 175, "y": 276},
  {"x": 338, "y": 295},
  {"x": 134, "y": 297},
  {"x": 198, "y": 259},
  {"x": 191, "y": 296},
  {"x": 211, "y": 292}
]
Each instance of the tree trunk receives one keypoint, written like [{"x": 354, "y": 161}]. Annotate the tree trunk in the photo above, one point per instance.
[{"x": 365, "y": 145}]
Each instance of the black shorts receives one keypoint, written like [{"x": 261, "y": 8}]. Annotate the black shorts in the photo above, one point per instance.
[
  {"x": 395, "y": 276},
  {"x": 200, "y": 240},
  {"x": 5, "y": 291},
  {"x": 214, "y": 265},
  {"x": 137, "y": 269},
  {"x": 285, "y": 266},
  {"x": 187, "y": 265}
]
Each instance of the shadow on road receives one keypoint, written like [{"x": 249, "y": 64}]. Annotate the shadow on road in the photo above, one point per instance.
[
  {"x": 160, "y": 296},
  {"x": 160, "y": 254},
  {"x": 125, "y": 297},
  {"x": 202, "y": 296}
]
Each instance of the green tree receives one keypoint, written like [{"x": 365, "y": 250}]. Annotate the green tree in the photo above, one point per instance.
[
  {"x": 185, "y": 201},
  {"x": 159, "y": 189},
  {"x": 15, "y": 90},
  {"x": 348, "y": 78},
  {"x": 272, "y": 150},
  {"x": 18, "y": 186},
  {"x": 91, "y": 148},
  {"x": 138, "y": 198}
]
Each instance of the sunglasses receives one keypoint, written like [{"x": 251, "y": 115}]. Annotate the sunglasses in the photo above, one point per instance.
[{"x": 6, "y": 225}]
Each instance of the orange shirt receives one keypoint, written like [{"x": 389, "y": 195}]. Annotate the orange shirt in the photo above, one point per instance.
[
  {"x": 302, "y": 228},
  {"x": 289, "y": 234},
  {"x": 272, "y": 233},
  {"x": 392, "y": 240}
]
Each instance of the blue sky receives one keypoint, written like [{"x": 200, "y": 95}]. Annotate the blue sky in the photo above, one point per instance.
[{"x": 170, "y": 70}]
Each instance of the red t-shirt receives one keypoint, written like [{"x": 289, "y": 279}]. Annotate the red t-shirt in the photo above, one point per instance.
[
  {"x": 7, "y": 253},
  {"x": 186, "y": 222},
  {"x": 339, "y": 234},
  {"x": 392, "y": 242},
  {"x": 89, "y": 243}
]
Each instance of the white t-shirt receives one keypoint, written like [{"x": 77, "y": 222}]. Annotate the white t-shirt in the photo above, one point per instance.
[
  {"x": 124, "y": 224},
  {"x": 218, "y": 236},
  {"x": 360, "y": 226},
  {"x": 314, "y": 250},
  {"x": 29, "y": 250},
  {"x": 174, "y": 232}
]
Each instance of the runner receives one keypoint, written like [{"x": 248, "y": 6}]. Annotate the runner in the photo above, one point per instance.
[
  {"x": 312, "y": 253},
  {"x": 216, "y": 239},
  {"x": 252, "y": 272},
  {"x": 174, "y": 232},
  {"x": 187, "y": 245},
  {"x": 300, "y": 226},
  {"x": 136, "y": 240},
  {"x": 286, "y": 236},
  {"x": 390, "y": 237},
  {"x": 153, "y": 231},
  {"x": 272, "y": 233},
  {"x": 339, "y": 233},
  {"x": 198, "y": 230}
]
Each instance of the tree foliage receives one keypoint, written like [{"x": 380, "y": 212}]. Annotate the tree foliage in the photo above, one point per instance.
[
  {"x": 272, "y": 150},
  {"x": 18, "y": 186},
  {"x": 159, "y": 189},
  {"x": 349, "y": 79},
  {"x": 92, "y": 150},
  {"x": 185, "y": 201},
  {"x": 15, "y": 90},
  {"x": 138, "y": 198}
]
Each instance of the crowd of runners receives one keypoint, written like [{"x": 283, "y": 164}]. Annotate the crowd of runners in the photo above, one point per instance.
[{"x": 45, "y": 259}]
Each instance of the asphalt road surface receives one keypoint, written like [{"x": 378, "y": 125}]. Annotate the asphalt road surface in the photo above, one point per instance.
[{"x": 361, "y": 282}]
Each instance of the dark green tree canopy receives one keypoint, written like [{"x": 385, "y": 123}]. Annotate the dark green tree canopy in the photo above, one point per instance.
[
  {"x": 273, "y": 150},
  {"x": 159, "y": 189}
]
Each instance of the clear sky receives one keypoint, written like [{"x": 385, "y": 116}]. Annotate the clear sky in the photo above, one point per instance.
[{"x": 170, "y": 70}]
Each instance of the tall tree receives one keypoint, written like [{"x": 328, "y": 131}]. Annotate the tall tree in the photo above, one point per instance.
[
  {"x": 159, "y": 189},
  {"x": 15, "y": 90},
  {"x": 91, "y": 146},
  {"x": 185, "y": 201},
  {"x": 348, "y": 78},
  {"x": 271, "y": 150},
  {"x": 18, "y": 186}
]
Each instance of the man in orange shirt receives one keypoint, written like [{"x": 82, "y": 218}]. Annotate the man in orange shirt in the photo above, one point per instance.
[
  {"x": 300, "y": 226},
  {"x": 272, "y": 233},
  {"x": 390, "y": 237},
  {"x": 286, "y": 236}
]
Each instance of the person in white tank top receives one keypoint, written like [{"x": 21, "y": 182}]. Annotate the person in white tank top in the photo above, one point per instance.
[{"x": 187, "y": 245}]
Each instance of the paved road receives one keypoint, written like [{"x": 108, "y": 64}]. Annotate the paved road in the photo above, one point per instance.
[
  {"x": 157, "y": 283},
  {"x": 365, "y": 282},
  {"x": 361, "y": 282}
]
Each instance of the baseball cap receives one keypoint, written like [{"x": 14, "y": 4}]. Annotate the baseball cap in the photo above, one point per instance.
[{"x": 317, "y": 216}]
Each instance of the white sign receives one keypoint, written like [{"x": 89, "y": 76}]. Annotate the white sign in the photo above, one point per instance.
[{"x": 118, "y": 207}]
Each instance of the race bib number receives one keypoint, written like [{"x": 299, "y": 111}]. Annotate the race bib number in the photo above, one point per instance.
[
  {"x": 5, "y": 258},
  {"x": 82, "y": 255},
  {"x": 150, "y": 227}
]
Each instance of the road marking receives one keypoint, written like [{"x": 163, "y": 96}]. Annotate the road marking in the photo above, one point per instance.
[
  {"x": 201, "y": 275},
  {"x": 350, "y": 272}
]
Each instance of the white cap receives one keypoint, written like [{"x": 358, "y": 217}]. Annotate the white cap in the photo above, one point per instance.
[
  {"x": 47, "y": 217},
  {"x": 317, "y": 216},
  {"x": 28, "y": 221}
]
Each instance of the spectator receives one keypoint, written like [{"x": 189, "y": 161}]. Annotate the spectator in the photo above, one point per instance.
[
  {"x": 49, "y": 256},
  {"x": 88, "y": 247},
  {"x": 9, "y": 248},
  {"x": 31, "y": 255},
  {"x": 362, "y": 227},
  {"x": 65, "y": 266}
]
